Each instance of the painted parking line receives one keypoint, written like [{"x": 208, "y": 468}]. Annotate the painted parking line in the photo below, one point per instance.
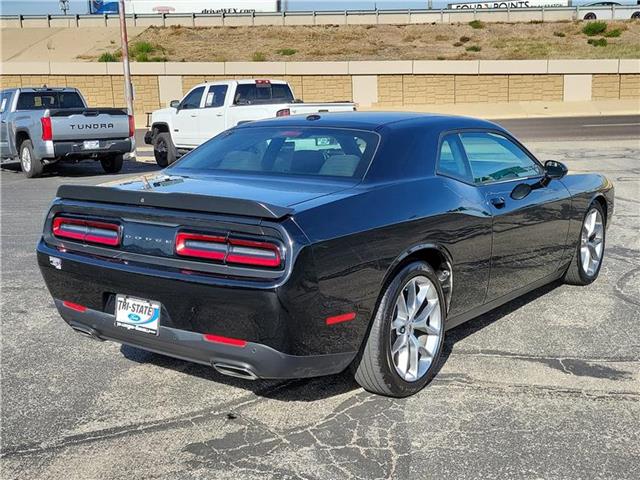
[{"x": 613, "y": 125}]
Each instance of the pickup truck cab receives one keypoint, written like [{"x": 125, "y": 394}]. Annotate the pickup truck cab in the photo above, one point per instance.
[
  {"x": 42, "y": 126},
  {"x": 211, "y": 108}
]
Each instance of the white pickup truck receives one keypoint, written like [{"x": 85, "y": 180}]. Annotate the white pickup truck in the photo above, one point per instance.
[{"x": 211, "y": 108}]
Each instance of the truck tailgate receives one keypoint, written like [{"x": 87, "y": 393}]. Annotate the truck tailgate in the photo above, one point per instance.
[{"x": 89, "y": 124}]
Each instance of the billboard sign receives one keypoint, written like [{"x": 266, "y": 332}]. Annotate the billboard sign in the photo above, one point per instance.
[
  {"x": 511, "y": 4},
  {"x": 185, "y": 6}
]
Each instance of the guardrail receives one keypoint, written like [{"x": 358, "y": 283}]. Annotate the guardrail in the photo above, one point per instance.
[{"x": 345, "y": 17}]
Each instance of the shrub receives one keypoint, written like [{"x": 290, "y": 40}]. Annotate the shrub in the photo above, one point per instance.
[
  {"x": 141, "y": 57},
  {"x": 107, "y": 57},
  {"x": 159, "y": 59},
  {"x": 476, "y": 24},
  {"x": 594, "y": 28},
  {"x": 474, "y": 48},
  {"x": 616, "y": 32},
  {"x": 457, "y": 44},
  {"x": 559, "y": 34},
  {"x": 597, "y": 42},
  {"x": 287, "y": 51},
  {"x": 464, "y": 39},
  {"x": 142, "y": 47},
  {"x": 441, "y": 38},
  {"x": 259, "y": 57}
]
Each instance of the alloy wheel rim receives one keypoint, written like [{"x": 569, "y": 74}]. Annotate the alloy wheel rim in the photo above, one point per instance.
[
  {"x": 25, "y": 158},
  {"x": 416, "y": 329},
  {"x": 591, "y": 242}
]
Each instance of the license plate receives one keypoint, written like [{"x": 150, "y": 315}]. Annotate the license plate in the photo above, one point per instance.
[
  {"x": 91, "y": 144},
  {"x": 137, "y": 314}
]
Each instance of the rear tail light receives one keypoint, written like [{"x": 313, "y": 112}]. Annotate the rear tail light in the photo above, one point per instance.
[
  {"x": 132, "y": 126},
  {"x": 248, "y": 252},
  {"x": 89, "y": 231},
  {"x": 285, "y": 112},
  {"x": 209, "y": 247},
  {"x": 47, "y": 131},
  {"x": 229, "y": 250},
  {"x": 263, "y": 82}
]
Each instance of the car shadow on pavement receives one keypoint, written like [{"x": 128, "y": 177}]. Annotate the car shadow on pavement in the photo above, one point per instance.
[
  {"x": 474, "y": 325},
  {"x": 288, "y": 390},
  {"x": 86, "y": 169},
  {"x": 312, "y": 389}
]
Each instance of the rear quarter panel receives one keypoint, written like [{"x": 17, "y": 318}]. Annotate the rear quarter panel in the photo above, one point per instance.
[{"x": 356, "y": 241}]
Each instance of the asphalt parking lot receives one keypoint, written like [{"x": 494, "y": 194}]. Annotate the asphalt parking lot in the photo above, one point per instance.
[{"x": 547, "y": 386}]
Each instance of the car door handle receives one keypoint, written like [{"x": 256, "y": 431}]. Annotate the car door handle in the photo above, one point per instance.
[
  {"x": 218, "y": 114},
  {"x": 498, "y": 202}
]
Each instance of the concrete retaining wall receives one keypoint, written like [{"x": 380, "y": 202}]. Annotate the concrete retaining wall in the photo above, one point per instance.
[
  {"x": 370, "y": 84},
  {"x": 324, "y": 18}
]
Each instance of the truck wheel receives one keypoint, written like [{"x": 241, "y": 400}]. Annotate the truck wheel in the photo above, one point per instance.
[
  {"x": 590, "y": 16},
  {"x": 164, "y": 150},
  {"x": 112, "y": 164},
  {"x": 31, "y": 166}
]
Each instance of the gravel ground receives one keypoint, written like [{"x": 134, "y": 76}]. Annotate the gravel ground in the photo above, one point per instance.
[{"x": 547, "y": 386}]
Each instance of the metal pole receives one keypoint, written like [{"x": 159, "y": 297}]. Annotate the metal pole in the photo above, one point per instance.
[{"x": 128, "y": 88}]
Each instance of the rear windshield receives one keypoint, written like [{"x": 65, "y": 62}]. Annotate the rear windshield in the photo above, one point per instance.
[
  {"x": 262, "y": 94},
  {"x": 45, "y": 100},
  {"x": 318, "y": 152}
]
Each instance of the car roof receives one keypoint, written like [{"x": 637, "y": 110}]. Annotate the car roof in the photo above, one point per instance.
[
  {"x": 244, "y": 81},
  {"x": 373, "y": 121},
  {"x": 48, "y": 89}
]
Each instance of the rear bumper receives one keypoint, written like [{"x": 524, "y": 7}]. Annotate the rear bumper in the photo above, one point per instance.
[
  {"x": 75, "y": 149},
  {"x": 258, "y": 361}
]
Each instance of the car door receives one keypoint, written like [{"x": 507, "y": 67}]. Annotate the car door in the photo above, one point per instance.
[
  {"x": 212, "y": 115},
  {"x": 186, "y": 121},
  {"x": 5, "y": 108},
  {"x": 529, "y": 233}
]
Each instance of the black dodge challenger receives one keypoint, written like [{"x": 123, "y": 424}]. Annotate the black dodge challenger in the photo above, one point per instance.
[{"x": 300, "y": 246}]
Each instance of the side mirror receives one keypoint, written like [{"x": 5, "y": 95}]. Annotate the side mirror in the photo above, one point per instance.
[
  {"x": 174, "y": 104},
  {"x": 553, "y": 169}
]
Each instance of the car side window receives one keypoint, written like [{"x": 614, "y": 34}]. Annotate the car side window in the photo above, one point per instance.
[
  {"x": 493, "y": 158},
  {"x": 193, "y": 98},
  {"x": 451, "y": 159},
  {"x": 215, "y": 96},
  {"x": 5, "y": 100}
]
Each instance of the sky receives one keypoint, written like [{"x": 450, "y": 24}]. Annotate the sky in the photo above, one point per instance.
[{"x": 39, "y": 7}]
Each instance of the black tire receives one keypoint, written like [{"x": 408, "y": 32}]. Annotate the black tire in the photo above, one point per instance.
[
  {"x": 576, "y": 274},
  {"x": 635, "y": 15},
  {"x": 33, "y": 167},
  {"x": 164, "y": 150},
  {"x": 590, "y": 16},
  {"x": 374, "y": 367},
  {"x": 112, "y": 164}
]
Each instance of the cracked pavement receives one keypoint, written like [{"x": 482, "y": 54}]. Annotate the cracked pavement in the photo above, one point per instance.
[{"x": 547, "y": 386}]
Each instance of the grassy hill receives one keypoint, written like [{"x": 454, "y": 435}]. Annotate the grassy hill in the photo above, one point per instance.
[{"x": 476, "y": 40}]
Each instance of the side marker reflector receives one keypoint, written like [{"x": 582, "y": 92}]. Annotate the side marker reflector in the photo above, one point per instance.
[
  {"x": 341, "y": 318},
  {"x": 75, "y": 306},
  {"x": 235, "y": 342}
]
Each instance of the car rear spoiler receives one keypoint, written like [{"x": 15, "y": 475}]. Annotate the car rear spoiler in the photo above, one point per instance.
[{"x": 175, "y": 201}]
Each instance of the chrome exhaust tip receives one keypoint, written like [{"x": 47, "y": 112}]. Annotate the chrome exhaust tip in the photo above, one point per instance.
[
  {"x": 86, "y": 332},
  {"x": 235, "y": 371}
]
